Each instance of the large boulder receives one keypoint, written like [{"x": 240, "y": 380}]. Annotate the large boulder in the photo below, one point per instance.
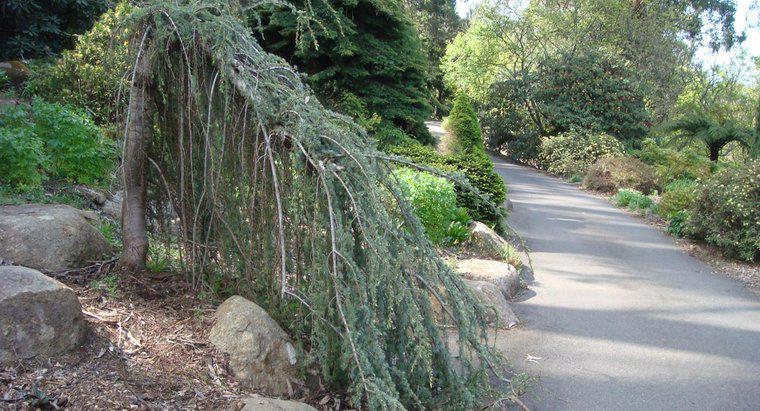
[
  {"x": 260, "y": 353},
  {"x": 485, "y": 241},
  {"x": 50, "y": 237},
  {"x": 503, "y": 275},
  {"x": 39, "y": 316},
  {"x": 259, "y": 403},
  {"x": 500, "y": 312}
]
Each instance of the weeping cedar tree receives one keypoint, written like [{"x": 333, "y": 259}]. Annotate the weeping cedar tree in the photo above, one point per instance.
[
  {"x": 367, "y": 48},
  {"x": 713, "y": 134},
  {"x": 290, "y": 204}
]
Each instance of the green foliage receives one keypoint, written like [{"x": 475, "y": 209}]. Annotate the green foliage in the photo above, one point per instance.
[
  {"x": 387, "y": 135},
  {"x": 677, "y": 223},
  {"x": 726, "y": 212},
  {"x": 713, "y": 133},
  {"x": 509, "y": 254},
  {"x": 479, "y": 172},
  {"x": 285, "y": 201},
  {"x": 351, "y": 105},
  {"x": 22, "y": 154},
  {"x": 367, "y": 48},
  {"x": 5, "y": 81},
  {"x": 463, "y": 125},
  {"x": 27, "y": 194},
  {"x": 589, "y": 90},
  {"x": 109, "y": 284},
  {"x": 77, "y": 149},
  {"x": 505, "y": 41},
  {"x": 635, "y": 201},
  {"x": 437, "y": 23},
  {"x": 609, "y": 174},
  {"x": 94, "y": 75},
  {"x": 111, "y": 231},
  {"x": 435, "y": 204},
  {"x": 678, "y": 196},
  {"x": 38, "y": 28},
  {"x": 575, "y": 151},
  {"x": 673, "y": 164},
  {"x": 52, "y": 140}
]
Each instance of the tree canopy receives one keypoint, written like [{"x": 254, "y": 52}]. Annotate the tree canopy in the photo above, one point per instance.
[
  {"x": 38, "y": 28},
  {"x": 368, "y": 48}
]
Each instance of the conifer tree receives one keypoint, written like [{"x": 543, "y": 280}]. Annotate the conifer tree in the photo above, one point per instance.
[{"x": 367, "y": 48}]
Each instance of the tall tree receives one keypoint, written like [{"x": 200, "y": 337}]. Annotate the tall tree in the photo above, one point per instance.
[
  {"x": 437, "y": 23},
  {"x": 656, "y": 38},
  {"x": 368, "y": 48}
]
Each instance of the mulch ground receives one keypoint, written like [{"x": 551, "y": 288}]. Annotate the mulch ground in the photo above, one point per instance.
[{"x": 147, "y": 350}]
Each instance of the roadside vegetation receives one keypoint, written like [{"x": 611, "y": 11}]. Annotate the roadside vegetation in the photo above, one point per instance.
[
  {"x": 278, "y": 150},
  {"x": 577, "y": 91}
]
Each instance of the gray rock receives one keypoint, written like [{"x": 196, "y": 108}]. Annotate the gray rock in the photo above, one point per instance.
[
  {"x": 50, "y": 237},
  {"x": 503, "y": 275},
  {"x": 112, "y": 206},
  {"x": 486, "y": 241},
  {"x": 39, "y": 316},
  {"x": 490, "y": 296},
  {"x": 259, "y": 403},
  {"x": 261, "y": 355}
]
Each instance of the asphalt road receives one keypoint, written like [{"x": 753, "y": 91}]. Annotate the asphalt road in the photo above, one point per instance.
[{"x": 618, "y": 317}]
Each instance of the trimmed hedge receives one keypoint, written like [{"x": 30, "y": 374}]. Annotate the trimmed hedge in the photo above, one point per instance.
[
  {"x": 726, "y": 212},
  {"x": 610, "y": 174}
]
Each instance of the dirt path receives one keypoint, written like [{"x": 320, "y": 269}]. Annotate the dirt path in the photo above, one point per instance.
[{"x": 618, "y": 317}]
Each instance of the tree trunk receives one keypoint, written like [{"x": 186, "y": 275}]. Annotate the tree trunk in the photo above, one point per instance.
[
  {"x": 714, "y": 152},
  {"x": 138, "y": 137}
]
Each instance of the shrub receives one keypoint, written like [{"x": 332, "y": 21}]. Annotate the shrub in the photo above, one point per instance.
[
  {"x": 726, "y": 212},
  {"x": 389, "y": 135},
  {"x": 92, "y": 76},
  {"x": 677, "y": 223},
  {"x": 78, "y": 150},
  {"x": 434, "y": 203},
  {"x": 58, "y": 140},
  {"x": 678, "y": 196},
  {"x": 610, "y": 174},
  {"x": 22, "y": 158},
  {"x": 672, "y": 165},
  {"x": 575, "y": 151},
  {"x": 479, "y": 170},
  {"x": 463, "y": 125},
  {"x": 635, "y": 201}
]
